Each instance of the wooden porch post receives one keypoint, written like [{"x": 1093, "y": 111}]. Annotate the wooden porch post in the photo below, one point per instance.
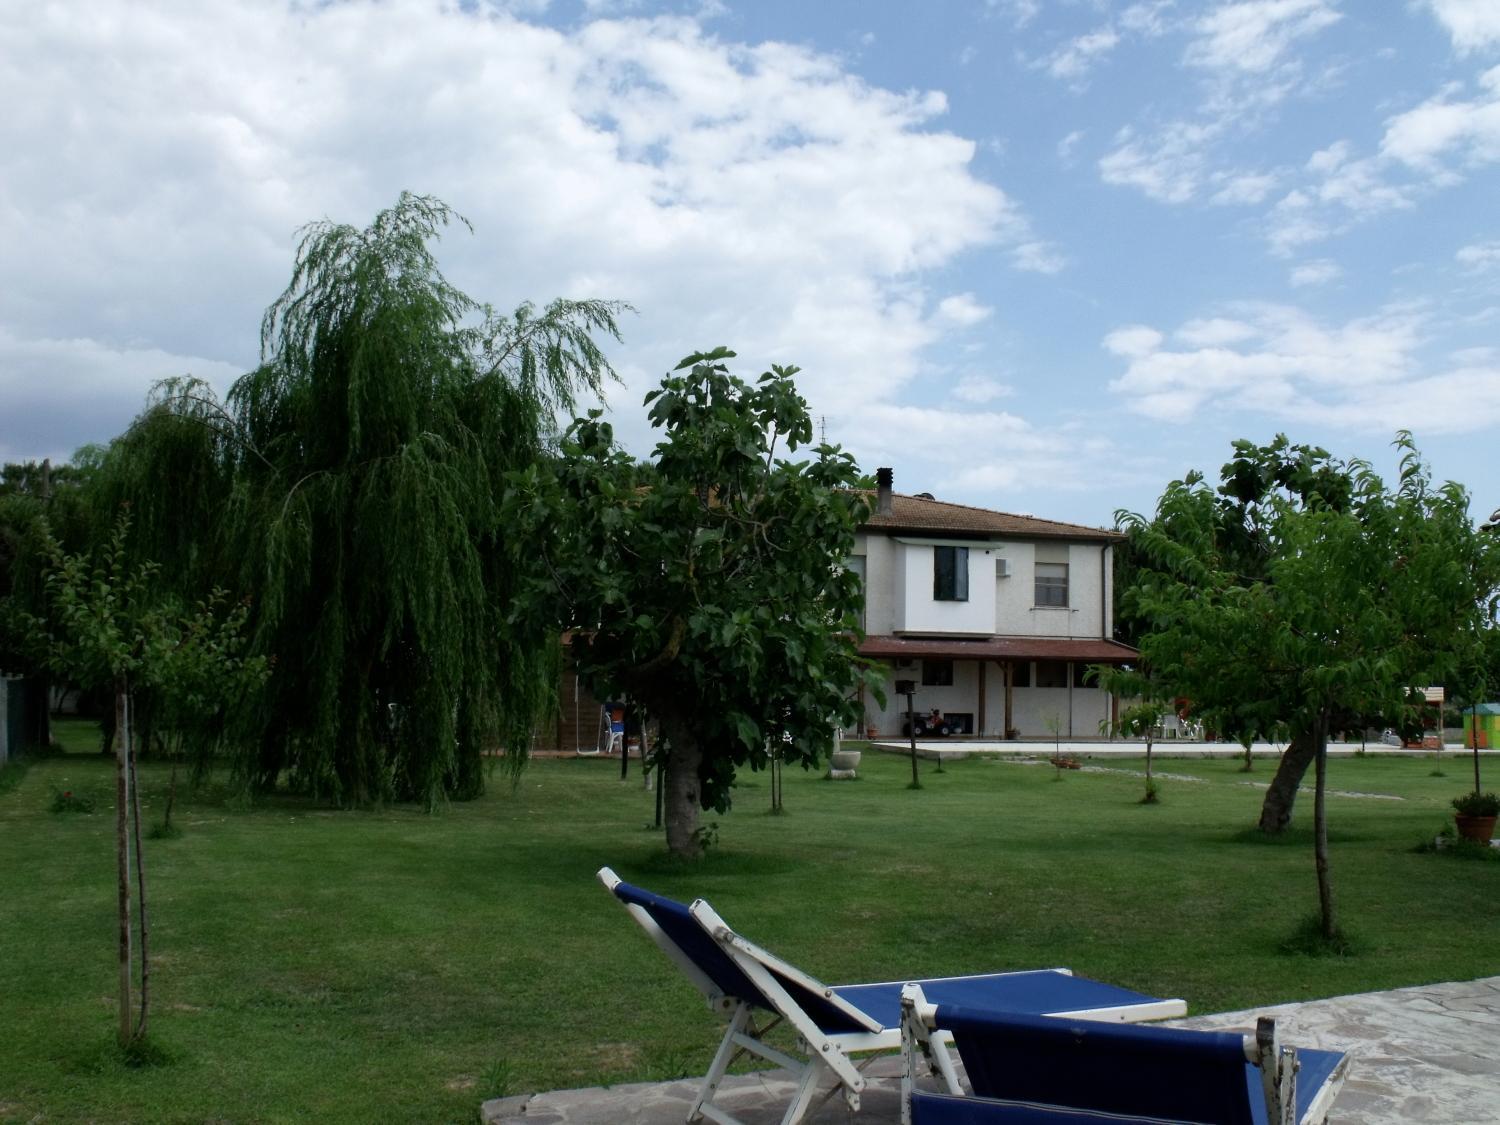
[
  {"x": 1010, "y": 676},
  {"x": 980, "y": 729}
]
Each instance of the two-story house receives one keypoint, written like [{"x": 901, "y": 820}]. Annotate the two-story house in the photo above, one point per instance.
[{"x": 995, "y": 617}]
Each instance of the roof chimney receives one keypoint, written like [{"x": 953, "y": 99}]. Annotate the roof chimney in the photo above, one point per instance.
[{"x": 883, "y": 479}]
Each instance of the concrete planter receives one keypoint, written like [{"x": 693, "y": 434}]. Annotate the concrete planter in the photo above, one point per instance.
[{"x": 842, "y": 764}]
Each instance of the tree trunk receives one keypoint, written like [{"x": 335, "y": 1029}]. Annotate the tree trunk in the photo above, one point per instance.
[
  {"x": 1276, "y": 810},
  {"x": 1320, "y": 833},
  {"x": 683, "y": 795},
  {"x": 140, "y": 894},
  {"x": 1474, "y": 741},
  {"x": 122, "y": 846},
  {"x": 171, "y": 792},
  {"x": 37, "y": 688},
  {"x": 107, "y": 723}
]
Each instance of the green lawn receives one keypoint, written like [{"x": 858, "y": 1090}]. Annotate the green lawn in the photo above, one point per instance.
[{"x": 321, "y": 965}]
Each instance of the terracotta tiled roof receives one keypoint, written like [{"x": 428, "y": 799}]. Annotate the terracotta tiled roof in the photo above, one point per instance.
[
  {"x": 918, "y": 515},
  {"x": 885, "y": 647}
]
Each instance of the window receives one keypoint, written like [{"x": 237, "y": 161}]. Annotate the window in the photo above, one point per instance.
[
  {"x": 1051, "y": 673},
  {"x": 855, "y": 564},
  {"x": 937, "y": 673},
  {"x": 1052, "y": 584},
  {"x": 1021, "y": 674},
  {"x": 1082, "y": 677},
  {"x": 950, "y": 574}
]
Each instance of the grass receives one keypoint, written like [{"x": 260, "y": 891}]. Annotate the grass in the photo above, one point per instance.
[{"x": 312, "y": 964}]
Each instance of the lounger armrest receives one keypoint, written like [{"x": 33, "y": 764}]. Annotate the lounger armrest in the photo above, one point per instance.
[
  {"x": 1278, "y": 1072},
  {"x": 918, "y": 1037}
]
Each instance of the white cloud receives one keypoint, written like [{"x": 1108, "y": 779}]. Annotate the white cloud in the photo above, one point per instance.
[
  {"x": 980, "y": 389},
  {"x": 1358, "y": 186},
  {"x": 1473, "y": 24},
  {"x": 1134, "y": 342},
  {"x": 751, "y": 194},
  {"x": 1214, "y": 332},
  {"x": 1319, "y": 271},
  {"x": 1476, "y": 357},
  {"x": 1067, "y": 146},
  {"x": 1462, "y": 401},
  {"x": 1147, "y": 18},
  {"x": 1254, "y": 35},
  {"x": 989, "y": 453},
  {"x": 1075, "y": 58},
  {"x": 1479, "y": 255},
  {"x": 963, "y": 309},
  {"x": 1443, "y": 126},
  {"x": 1247, "y": 67},
  {"x": 1169, "y": 167},
  {"x": 1278, "y": 360},
  {"x": 1243, "y": 188},
  {"x": 1423, "y": 150},
  {"x": 1038, "y": 257},
  {"x": 1021, "y": 12},
  {"x": 103, "y": 386}
]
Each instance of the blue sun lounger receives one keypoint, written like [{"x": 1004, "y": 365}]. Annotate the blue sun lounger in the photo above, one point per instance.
[
  {"x": 1026, "y": 1069},
  {"x": 756, "y": 991}
]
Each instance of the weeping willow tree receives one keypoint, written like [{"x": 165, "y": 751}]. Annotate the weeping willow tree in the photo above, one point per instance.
[{"x": 351, "y": 482}]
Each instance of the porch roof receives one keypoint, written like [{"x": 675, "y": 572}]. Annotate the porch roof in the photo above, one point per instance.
[{"x": 1087, "y": 651}]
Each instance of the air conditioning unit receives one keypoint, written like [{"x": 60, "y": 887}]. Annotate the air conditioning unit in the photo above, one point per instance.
[
  {"x": 905, "y": 662},
  {"x": 1002, "y": 568}
]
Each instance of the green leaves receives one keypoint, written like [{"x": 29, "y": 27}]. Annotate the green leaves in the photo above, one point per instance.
[
  {"x": 353, "y": 483},
  {"x": 1304, "y": 587},
  {"x": 708, "y": 583},
  {"x": 111, "y": 619}
]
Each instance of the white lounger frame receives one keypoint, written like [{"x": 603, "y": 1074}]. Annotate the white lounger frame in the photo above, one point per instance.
[{"x": 827, "y": 1053}]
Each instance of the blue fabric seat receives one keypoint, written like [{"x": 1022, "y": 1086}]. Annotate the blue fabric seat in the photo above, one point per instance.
[{"x": 1046, "y": 1069}]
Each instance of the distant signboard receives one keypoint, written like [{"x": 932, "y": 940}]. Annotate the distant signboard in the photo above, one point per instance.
[{"x": 1432, "y": 694}]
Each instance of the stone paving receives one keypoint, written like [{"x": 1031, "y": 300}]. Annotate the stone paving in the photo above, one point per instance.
[{"x": 1430, "y": 1053}]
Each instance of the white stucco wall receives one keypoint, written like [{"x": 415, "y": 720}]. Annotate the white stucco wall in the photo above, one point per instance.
[
  {"x": 1078, "y": 713},
  {"x": 917, "y": 611},
  {"x": 879, "y": 552},
  {"x": 1087, "y": 613},
  {"x": 1035, "y": 709},
  {"x": 898, "y": 599},
  {"x": 898, "y": 590},
  {"x": 962, "y": 695}
]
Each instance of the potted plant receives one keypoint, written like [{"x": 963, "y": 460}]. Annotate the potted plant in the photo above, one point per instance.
[{"x": 1475, "y": 813}]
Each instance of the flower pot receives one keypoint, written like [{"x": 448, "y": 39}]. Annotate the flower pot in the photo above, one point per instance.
[
  {"x": 1476, "y": 828},
  {"x": 872, "y": 732}
]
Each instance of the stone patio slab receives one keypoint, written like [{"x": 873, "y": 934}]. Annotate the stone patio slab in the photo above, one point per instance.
[{"x": 1429, "y": 1053}]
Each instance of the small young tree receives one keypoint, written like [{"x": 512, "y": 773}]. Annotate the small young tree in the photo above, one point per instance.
[
  {"x": 109, "y": 625},
  {"x": 1150, "y": 702},
  {"x": 708, "y": 584},
  {"x": 1308, "y": 593}
]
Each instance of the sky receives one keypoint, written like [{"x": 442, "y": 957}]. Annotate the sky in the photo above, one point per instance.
[{"x": 1042, "y": 256}]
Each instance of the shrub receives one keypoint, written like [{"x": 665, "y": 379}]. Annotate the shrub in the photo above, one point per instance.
[
  {"x": 67, "y": 801},
  {"x": 1477, "y": 804}
]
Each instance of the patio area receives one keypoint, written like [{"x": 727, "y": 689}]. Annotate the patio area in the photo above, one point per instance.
[{"x": 1426, "y": 1053}]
